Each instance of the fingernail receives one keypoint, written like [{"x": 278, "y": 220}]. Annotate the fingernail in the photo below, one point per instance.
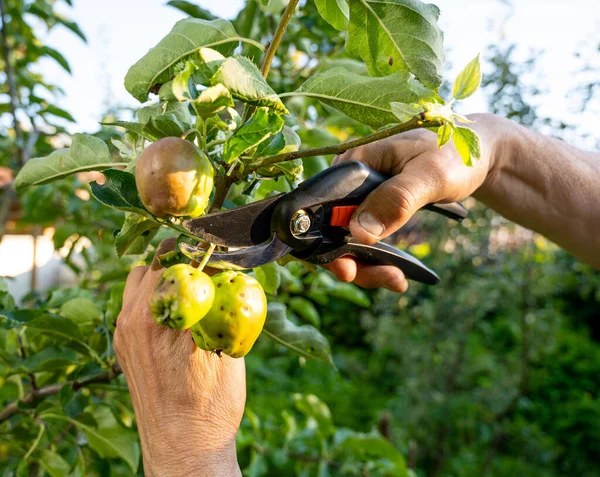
[{"x": 370, "y": 224}]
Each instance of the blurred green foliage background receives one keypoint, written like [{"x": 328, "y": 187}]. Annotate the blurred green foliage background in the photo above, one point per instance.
[{"x": 494, "y": 372}]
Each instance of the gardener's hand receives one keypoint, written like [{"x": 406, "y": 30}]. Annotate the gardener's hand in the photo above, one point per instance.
[
  {"x": 533, "y": 180},
  {"x": 420, "y": 174},
  {"x": 188, "y": 402}
]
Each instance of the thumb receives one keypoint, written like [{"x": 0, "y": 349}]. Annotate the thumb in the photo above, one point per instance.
[{"x": 391, "y": 205}]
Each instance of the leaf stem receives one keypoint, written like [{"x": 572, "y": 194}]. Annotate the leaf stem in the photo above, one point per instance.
[
  {"x": 270, "y": 53},
  {"x": 414, "y": 123},
  {"x": 190, "y": 131},
  {"x": 35, "y": 442},
  {"x": 206, "y": 257},
  {"x": 252, "y": 42}
]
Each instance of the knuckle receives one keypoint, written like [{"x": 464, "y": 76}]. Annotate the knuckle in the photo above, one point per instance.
[{"x": 402, "y": 200}]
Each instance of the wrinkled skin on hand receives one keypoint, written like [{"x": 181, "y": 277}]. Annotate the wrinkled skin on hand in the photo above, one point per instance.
[
  {"x": 236, "y": 318},
  {"x": 174, "y": 177},
  {"x": 188, "y": 402},
  {"x": 183, "y": 295}
]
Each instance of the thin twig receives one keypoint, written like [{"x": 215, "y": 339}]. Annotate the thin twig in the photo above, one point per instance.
[
  {"x": 10, "y": 81},
  {"x": 272, "y": 46},
  {"x": 52, "y": 389},
  {"x": 222, "y": 186},
  {"x": 414, "y": 123},
  {"x": 6, "y": 196},
  {"x": 270, "y": 53}
]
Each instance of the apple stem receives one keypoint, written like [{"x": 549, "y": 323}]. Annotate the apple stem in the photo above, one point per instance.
[{"x": 206, "y": 257}]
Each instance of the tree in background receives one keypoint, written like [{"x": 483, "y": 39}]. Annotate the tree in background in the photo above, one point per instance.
[{"x": 489, "y": 373}]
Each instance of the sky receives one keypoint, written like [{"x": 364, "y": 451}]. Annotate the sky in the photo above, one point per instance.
[{"x": 120, "y": 32}]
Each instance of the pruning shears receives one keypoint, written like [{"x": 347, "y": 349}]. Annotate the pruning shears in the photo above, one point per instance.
[{"x": 310, "y": 223}]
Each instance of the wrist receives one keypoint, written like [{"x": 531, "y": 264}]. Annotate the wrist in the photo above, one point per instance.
[
  {"x": 184, "y": 443},
  {"x": 189, "y": 456},
  {"x": 498, "y": 145}
]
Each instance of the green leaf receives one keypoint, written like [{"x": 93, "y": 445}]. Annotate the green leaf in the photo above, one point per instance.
[
  {"x": 468, "y": 81},
  {"x": 461, "y": 119},
  {"x": 405, "y": 112},
  {"x": 114, "y": 303},
  {"x": 286, "y": 140},
  {"x": 306, "y": 310},
  {"x": 468, "y": 145},
  {"x": 176, "y": 256},
  {"x": 134, "y": 227},
  {"x": 81, "y": 310},
  {"x": 62, "y": 295},
  {"x": 179, "y": 110},
  {"x": 134, "y": 127},
  {"x": 354, "y": 66},
  {"x": 71, "y": 25},
  {"x": 56, "y": 56},
  {"x": 271, "y": 187},
  {"x": 87, "y": 153},
  {"x": 261, "y": 126},
  {"x": 7, "y": 302},
  {"x": 192, "y": 10},
  {"x": 54, "y": 464},
  {"x": 59, "y": 327},
  {"x": 305, "y": 340},
  {"x": 334, "y": 12},
  {"x": 311, "y": 406},
  {"x": 272, "y": 6},
  {"x": 207, "y": 63},
  {"x": 362, "y": 98},
  {"x": 56, "y": 111},
  {"x": 243, "y": 78},
  {"x": 344, "y": 291},
  {"x": 48, "y": 359},
  {"x": 212, "y": 100},
  {"x": 291, "y": 170},
  {"x": 370, "y": 446},
  {"x": 397, "y": 35},
  {"x": 119, "y": 192},
  {"x": 269, "y": 277},
  {"x": 444, "y": 134},
  {"x": 141, "y": 243},
  {"x": 165, "y": 125},
  {"x": 186, "y": 37},
  {"x": 181, "y": 86},
  {"x": 109, "y": 440}
]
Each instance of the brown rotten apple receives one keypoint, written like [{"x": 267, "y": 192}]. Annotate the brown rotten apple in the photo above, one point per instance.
[{"x": 174, "y": 177}]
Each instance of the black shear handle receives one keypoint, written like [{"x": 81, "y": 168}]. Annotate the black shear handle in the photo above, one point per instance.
[
  {"x": 378, "y": 254},
  {"x": 345, "y": 183}
]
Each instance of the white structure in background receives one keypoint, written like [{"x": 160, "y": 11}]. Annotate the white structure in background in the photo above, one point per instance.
[{"x": 17, "y": 259}]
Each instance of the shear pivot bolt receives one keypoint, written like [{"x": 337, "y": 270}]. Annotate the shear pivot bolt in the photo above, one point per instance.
[{"x": 300, "y": 223}]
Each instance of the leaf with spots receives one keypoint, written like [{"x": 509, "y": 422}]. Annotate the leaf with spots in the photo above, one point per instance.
[
  {"x": 397, "y": 35},
  {"x": 305, "y": 340}
]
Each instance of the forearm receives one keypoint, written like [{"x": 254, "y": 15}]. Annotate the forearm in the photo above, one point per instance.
[{"x": 545, "y": 185}]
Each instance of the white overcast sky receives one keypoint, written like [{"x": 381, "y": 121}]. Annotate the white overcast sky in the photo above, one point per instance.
[{"x": 120, "y": 31}]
